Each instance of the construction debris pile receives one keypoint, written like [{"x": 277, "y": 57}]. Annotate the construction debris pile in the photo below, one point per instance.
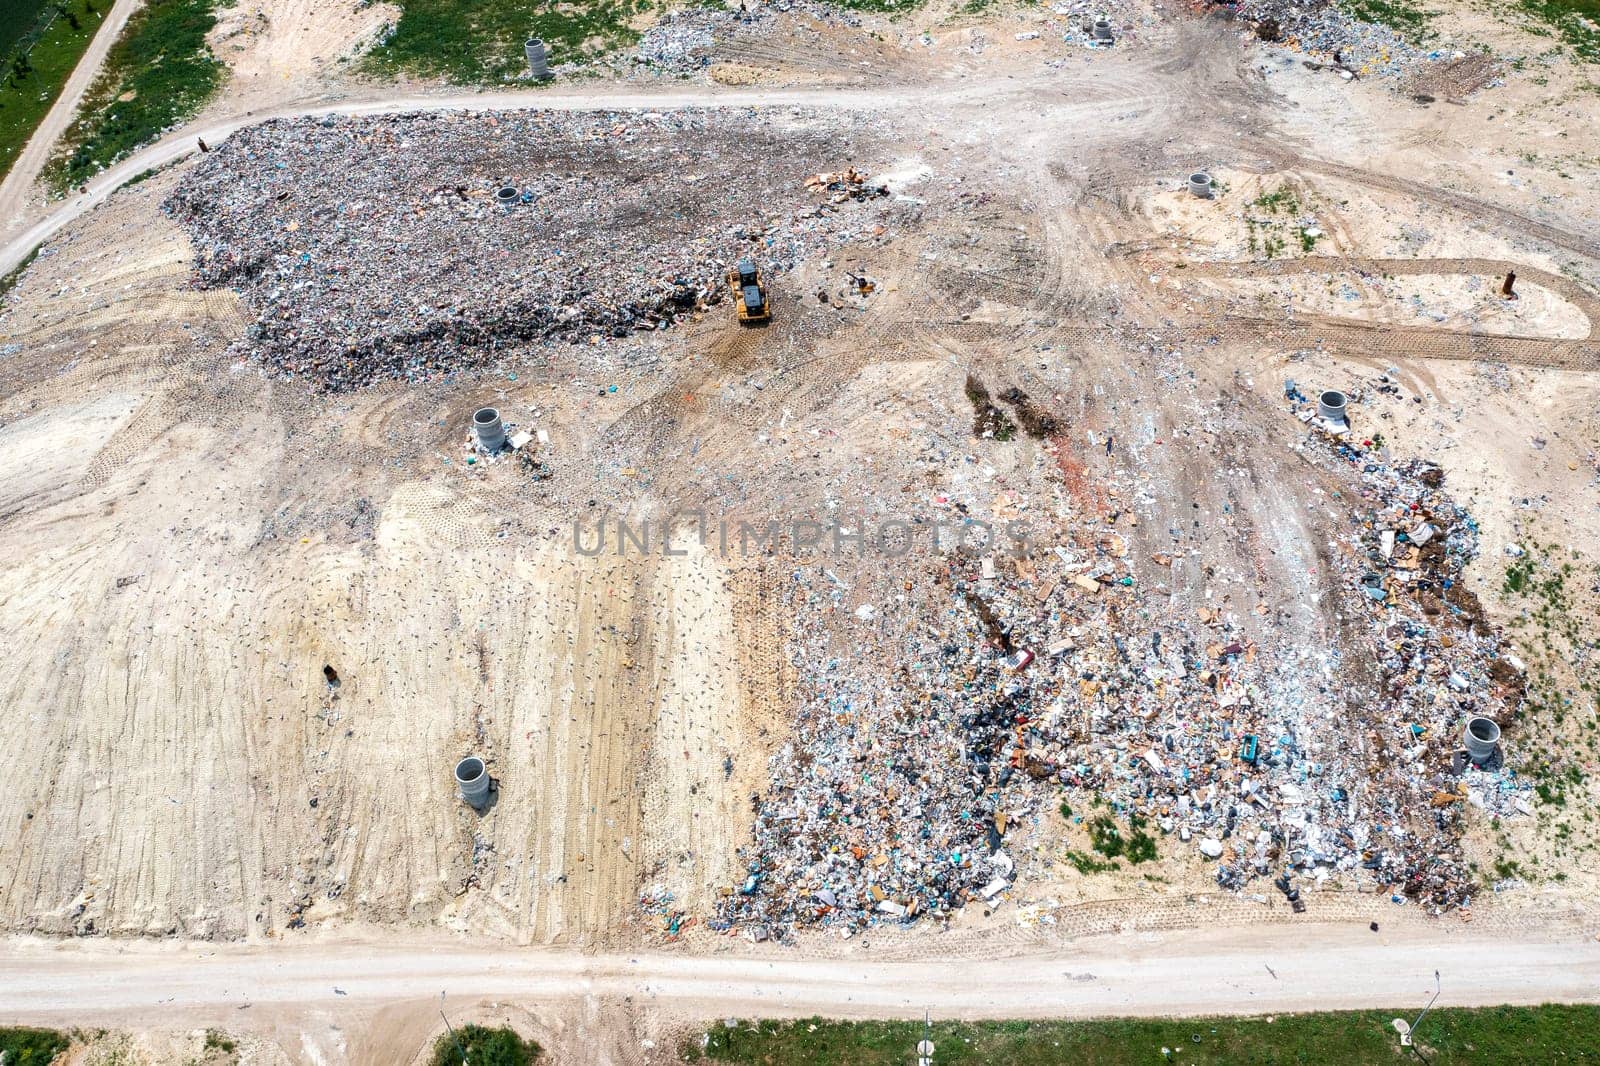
[
  {"x": 408, "y": 246},
  {"x": 1357, "y": 48},
  {"x": 929, "y": 729},
  {"x": 1441, "y": 664},
  {"x": 681, "y": 43}
]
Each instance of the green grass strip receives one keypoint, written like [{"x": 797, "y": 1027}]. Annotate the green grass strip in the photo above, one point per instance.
[
  {"x": 30, "y": 89},
  {"x": 159, "y": 73},
  {"x": 1492, "y": 1036}
]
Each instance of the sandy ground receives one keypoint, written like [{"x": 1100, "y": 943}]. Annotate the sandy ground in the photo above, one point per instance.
[{"x": 193, "y": 542}]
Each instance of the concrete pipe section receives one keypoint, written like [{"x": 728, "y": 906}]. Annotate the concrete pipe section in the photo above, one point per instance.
[
  {"x": 507, "y": 195},
  {"x": 533, "y": 47},
  {"x": 472, "y": 782},
  {"x": 1483, "y": 737},
  {"x": 1102, "y": 30},
  {"x": 490, "y": 430},
  {"x": 1200, "y": 184},
  {"x": 1331, "y": 405}
]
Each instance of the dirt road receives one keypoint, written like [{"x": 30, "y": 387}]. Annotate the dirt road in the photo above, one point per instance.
[
  {"x": 1281, "y": 969},
  {"x": 18, "y": 242},
  {"x": 14, "y": 191},
  {"x": 178, "y": 146}
]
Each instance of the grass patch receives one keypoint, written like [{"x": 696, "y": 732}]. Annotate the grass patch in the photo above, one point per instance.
[
  {"x": 485, "y": 1047},
  {"x": 1110, "y": 840},
  {"x": 1408, "y": 20},
  {"x": 1088, "y": 864},
  {"x": 1280, "y": 199},
  {"x": 158, "y": 74},
  {"x": 1494, "y": 1036},
  {"x": 470, "y": 42},
  {"x": 217, "y": 1040},
  {"x": 17, "y": 19},
  {"x": 31, "y": 1047},
  {"x": 36, "y": 68},
  {"x": 1577, "y": 22}
]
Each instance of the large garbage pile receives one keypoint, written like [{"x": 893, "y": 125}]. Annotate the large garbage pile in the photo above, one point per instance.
[
  {"x": 927, "y": 734},
  {"x": 408, "y": 246}
]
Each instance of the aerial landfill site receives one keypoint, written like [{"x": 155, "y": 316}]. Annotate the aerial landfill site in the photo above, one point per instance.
[{"x": 933, "y": 484}]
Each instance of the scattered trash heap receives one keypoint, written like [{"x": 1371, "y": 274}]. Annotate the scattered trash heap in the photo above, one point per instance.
[
  {"x": 931, "y": 732},
  {"x": 1352, "y": 46},
  {"x": 406, "y": 247},
  {"x": 683, "y": 42},
  {"x": 1441, "y": 664}
]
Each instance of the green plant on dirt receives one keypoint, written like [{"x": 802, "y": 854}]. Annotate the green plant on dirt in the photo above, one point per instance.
[
  {"x": 1517, "y": 576},
  {"x": 1282, "y": 199},
  {"x": 39, "y": 47},
  {"x": 1109, "y": 839},
  {"x": 485, "y": 1047},
  {"x": 217, "y": 1040},
  {"x": 1491, "y": 1036},
  {"x": 31, "y": 1047},
  {"x": 1105, "y": 836},
  {"x": 158, "y": 73},
  {"x": 1088, "y": 864}
]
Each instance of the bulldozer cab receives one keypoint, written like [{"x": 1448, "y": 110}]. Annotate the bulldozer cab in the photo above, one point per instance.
[
  {"x": 753, "y": 301},
  {"x": 749, "y": 292}
]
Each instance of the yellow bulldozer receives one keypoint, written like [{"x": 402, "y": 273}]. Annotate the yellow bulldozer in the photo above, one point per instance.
[{"x": 749, "y": 292}]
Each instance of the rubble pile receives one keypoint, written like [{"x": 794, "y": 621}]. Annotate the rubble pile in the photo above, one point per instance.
[
  {"x": 931, "y": 729},
  {"x": 1441, "y": 664},
  {"x": 408, "y": 246},
  {"x": 1359, "y": 49},
  {"x": 681, "y": 43},
  {"x": 848, "y": 184}
]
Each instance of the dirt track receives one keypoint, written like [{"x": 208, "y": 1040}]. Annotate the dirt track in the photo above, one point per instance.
[{"x": 254, "y": 989}]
